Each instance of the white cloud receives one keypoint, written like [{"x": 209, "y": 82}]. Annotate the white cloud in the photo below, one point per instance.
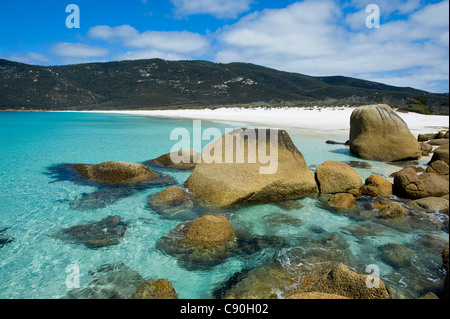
[
  {"x": 78, "y": 50},
  {"x": 29, "y": 58},
  {"x": 107, "y": 33},
  {"x": 387, "y": 7},
  {"x": 173, "y": 42},
  {"x": 312, "y": 37},
  {"x": 220, "y": 9},
  {"x": 148, "y": 54}
]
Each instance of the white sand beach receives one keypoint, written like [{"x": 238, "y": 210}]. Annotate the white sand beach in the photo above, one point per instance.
[{"x": 333, "y": 121}]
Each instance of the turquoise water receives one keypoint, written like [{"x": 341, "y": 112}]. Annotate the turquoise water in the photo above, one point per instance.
[{"x": 34, "y": 206}]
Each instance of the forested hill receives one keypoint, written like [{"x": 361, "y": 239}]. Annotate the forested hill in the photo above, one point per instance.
[{"x": 147, "y": 84}]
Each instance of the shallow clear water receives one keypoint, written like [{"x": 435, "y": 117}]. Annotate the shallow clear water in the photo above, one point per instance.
[{"x": 33, "y": 206}]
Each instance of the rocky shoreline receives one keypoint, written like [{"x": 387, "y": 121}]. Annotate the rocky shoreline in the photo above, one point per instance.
[{"x": 206, "y": 238}]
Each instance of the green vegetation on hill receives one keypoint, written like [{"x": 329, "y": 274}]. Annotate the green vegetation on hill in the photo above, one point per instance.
[{"x": 151, "y": 84}]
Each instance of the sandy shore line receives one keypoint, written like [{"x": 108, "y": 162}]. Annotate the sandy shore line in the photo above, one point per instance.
[{"x": 333, "y": 121}]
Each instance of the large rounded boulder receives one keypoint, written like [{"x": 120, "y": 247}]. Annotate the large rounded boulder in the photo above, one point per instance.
[
  {"x": 378, "y": 133},
  {"x": 249, "y": 165}
]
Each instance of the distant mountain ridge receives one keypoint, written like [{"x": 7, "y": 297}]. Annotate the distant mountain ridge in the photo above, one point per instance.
[{"x": 156, "y": 83}]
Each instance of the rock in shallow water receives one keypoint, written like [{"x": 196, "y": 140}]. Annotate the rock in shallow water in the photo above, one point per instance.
[
  {"x": 345, "y": 282},
  {"x": 114, "y": 181},
  {"x": 398, "y": 256},
  {"x": 378, "y": 133},
  {"x": 102, "y": 198},
  {"x": 393, "y": 210},
  {"x": 230, "y": 182},
  {"x": 438, "y": 167},
  {"x": 408, "y": 185},
  {"x": 435, "y": 185},
  {"x": 376, "y": 186},
  {"x": 155, "y": 289},
  {"x": 4, "y": 238},
  {"x": 172, "y": 203},
  {"x": 188, "y": 159},
  {"x": 116, "y": 172},
  {"x": 336, "y": 177},
  {"x": 342, "y": 201},
  {"x": 441, "y": 154},
  {"x": 289, "y": 205},
  {"x": 429, "y": 204},
  {"x": 202, "y": 243},
  {"x": 109, "y": 281},
  {"x": 104, "y": 233}
]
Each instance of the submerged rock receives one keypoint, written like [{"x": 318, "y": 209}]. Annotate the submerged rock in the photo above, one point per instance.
[
  {"x": 289, "y": 205},
  {"x": 113, "y": 180},
  {"x": 378, "y": 133},
  {"x": 109, "y": 281},
  {"x": 280, "y": 220},
  {"x": 445, "y": 264},
  {"x": 398, "y": 256},
  {"x": 433, "y": 243},
  {"x": 204, "y": 242},
  {"x": 358, "y": 164},
  {"x": 155, "y": 289},
  {"x": 363, "y": 230},
  {"x": 345, "y": 282},
  {"x": 334, "y": 142},
  {"x": 271, "y": 281},
  {"x": 429, "y": 204},
  {"x": 104, "y": 233},
  {"x": 5, "y": 238},
  {"x": 102, "y": 198},
  {"x": 388, "y": 209},
  {"x": 445, "y": 258},
  {"x": 109, "y": 175},
  {"x": 293, "y": 271},
  {"x": 227, "y": 181},
  {"x": 393, "y": 210},
  {"x": 188, "y": 160},
  {"x": 336, "y": 177}
]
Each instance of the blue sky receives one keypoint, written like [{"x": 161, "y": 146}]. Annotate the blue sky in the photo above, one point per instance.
[{"x": 313, "y": 37}]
